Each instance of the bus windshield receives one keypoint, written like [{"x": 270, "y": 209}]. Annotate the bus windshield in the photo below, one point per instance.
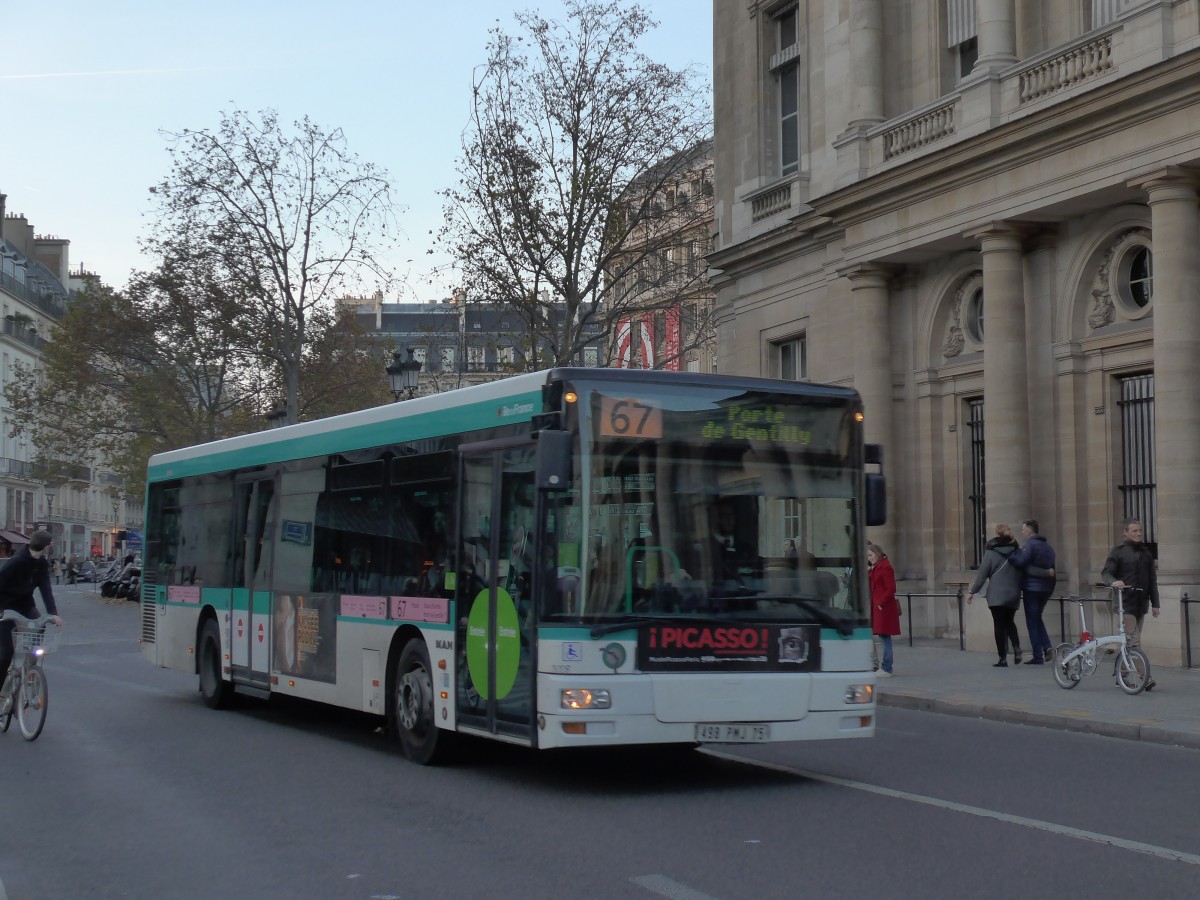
[{"x": 718, "y": 503}]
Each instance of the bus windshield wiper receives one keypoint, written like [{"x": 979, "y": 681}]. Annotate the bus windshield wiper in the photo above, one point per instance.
[
  {"x": 634, "y": 619},
  {"x": 819, "y": 612}
]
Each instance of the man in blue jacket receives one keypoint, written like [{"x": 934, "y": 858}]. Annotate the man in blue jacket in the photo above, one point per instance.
[{"x": 1035, "y": 554}]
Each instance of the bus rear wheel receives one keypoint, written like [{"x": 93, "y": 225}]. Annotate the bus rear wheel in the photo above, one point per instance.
[
  {"x": 217, "y": 692},
  {"x": 412, "y": 706}
]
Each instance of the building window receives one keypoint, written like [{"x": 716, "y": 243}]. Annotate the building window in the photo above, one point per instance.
[
  {"x": 792, "y": 357},
  {"x": 475, "y": 359},
  {"x": 973, "y": 316},
  {"x": 962, "y": 36},
  {"x": 1138, "y": 489},
  {"x": 978, "y": 520},
  {"x": 1104, "y": 12},
  {"x": 785, "y": 63},
  {"x": 968, "y": 54},
  {"x": 1137, "y": 277},
  {"x": 447, "y": 358}
]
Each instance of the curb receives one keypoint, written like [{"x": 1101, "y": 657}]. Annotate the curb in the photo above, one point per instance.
[{"x": 1016, "y": 716}]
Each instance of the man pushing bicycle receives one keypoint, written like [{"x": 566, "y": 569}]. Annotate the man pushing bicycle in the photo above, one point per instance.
[
  {"x": 22, "y": 573},
  {"x": 1130, "y": 567}
]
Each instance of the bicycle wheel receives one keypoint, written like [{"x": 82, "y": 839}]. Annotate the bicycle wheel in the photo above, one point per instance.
[
  {"x": 1067, "y": 674},
  {"x": 31, "y": 704},
  {"x": 1133, "y": 670}
]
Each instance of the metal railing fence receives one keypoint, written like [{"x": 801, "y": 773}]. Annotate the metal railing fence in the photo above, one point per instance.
[
  {"x": 962, "y": 634},
  {"x": 1067, "y": 633}
]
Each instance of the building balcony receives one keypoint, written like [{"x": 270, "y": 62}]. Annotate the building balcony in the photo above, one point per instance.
[
  {"x": 990, "y": 100},
  {"x": 16, "y": 468},
  {"x": 18, "y": 332},
  {"x": 47, "y": 301}
]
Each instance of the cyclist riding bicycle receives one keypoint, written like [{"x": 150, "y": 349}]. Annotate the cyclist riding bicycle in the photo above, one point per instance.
[{"x": 21, "y": 573}]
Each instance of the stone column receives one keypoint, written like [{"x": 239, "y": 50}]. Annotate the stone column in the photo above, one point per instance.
[
  {"x": 873, "y": 374},
  {"x": 996, "y": 21},
  {"x": 1005, "y": 395},
  {"x": 1175, "y": 224},
  {"x": 1044, "y": 425},
  {"x": 866, "y": 62}
]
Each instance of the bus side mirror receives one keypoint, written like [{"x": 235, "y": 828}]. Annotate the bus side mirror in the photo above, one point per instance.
[
  {"x": 553, "y": 460},
  {"x": 876, "y": 499}
]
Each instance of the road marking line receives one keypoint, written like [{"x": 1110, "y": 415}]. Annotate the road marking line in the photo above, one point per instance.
[
  {"x": 668, "y": 887},
  {"x": 1064, "y": 830}
]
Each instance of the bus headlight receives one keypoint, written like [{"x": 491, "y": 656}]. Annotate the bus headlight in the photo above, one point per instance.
[
  {"x": 582, "y": 698},
  {"x": 860, "y": 693}
]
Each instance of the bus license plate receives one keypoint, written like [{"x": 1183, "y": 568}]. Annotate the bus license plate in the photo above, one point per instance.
[{"x": 733, "y": 734}]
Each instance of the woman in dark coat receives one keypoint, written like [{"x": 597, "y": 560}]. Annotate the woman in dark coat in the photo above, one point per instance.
[{"x": 885, "y": 608}]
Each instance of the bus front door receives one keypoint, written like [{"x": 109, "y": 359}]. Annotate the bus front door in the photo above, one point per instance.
[
  {"x": 494, "y": 628},
  {"x": 250, "y": 613}
]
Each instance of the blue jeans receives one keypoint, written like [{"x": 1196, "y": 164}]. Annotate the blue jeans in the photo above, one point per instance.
[
  {"x": 1039, "y": 638},
  {"x": 886, "y": 639}
]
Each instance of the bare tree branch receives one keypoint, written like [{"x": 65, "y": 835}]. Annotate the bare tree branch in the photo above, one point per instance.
[{"x": 573, "y": 135}]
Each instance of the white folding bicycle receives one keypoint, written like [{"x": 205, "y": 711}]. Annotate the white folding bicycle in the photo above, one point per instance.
[{"x": 1073, "y": 661}]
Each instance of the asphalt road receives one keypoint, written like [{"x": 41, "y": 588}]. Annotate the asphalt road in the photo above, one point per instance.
[{"x": 136, "y": 790}]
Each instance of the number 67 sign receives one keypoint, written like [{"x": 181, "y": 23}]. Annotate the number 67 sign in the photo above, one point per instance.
[{"x": 628, "y": 418}]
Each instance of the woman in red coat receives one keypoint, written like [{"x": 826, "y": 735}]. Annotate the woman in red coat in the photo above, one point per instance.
[{"x": 885, "y": 608}]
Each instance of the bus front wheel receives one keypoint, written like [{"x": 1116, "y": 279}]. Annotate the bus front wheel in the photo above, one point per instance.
[{"x": 412, "y": 706}]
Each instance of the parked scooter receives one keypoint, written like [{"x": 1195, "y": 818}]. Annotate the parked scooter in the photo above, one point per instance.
[
  {"x": 113, "y": 582},
  {"x": 110, "y": 572},
  {"x": 130, "y": 588}
]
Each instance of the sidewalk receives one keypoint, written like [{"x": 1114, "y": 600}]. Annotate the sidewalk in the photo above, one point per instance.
[{"x": 938, "y": 677}]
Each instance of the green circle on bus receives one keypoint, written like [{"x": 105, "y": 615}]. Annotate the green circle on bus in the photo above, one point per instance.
[{"x": 508, "y": 643}]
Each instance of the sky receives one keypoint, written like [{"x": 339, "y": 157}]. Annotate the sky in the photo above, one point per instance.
[{"x": 87, "y": 88}]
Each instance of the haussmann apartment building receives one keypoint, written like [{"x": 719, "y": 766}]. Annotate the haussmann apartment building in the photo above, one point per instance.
[{"x": 984, "y": 215}]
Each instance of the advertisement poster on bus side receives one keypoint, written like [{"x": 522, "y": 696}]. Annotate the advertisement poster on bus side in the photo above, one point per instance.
[
  {"x": 305, "y": 628},
  {"x": 711, "y": 647}
]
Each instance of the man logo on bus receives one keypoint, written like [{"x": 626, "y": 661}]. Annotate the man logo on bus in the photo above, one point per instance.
[{"x": 792, "y": 646}]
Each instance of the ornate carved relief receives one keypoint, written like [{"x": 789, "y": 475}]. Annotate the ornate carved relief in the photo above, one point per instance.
[
  {"x": 956, "y": 341},
  {"x": 1104, "y": 304}
]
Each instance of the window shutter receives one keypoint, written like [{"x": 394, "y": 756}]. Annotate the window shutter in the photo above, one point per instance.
[
  {"x": 960, "y": 21},
  {"x": 1104, "y": 12}
]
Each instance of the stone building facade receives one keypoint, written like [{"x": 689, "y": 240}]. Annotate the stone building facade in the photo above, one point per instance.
[
  {"x": 89, "y": 511},
  {"x": 461, "y": 343},
  {"x": 662, "y": 302},
  {"x": 983, "y": 215}
]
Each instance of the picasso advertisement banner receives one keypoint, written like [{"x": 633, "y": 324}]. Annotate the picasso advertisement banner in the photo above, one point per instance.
[{"x": 700, "y": 647}]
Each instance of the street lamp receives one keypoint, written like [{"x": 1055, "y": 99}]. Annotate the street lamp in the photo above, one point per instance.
[
  {"x": 51, "y": 492},
  {"x": 116, "y": 505},
  {"x": 402, "y": 374},
  {"x": 277, "y": 417}
]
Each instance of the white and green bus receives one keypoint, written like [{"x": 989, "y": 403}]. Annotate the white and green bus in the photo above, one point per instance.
[{"x": 568, "y": 558}]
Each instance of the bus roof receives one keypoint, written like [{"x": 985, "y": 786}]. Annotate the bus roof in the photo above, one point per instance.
[{"x": 505, "y": 401}]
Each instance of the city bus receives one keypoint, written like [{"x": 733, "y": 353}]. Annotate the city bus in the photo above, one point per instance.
[{"x": 570, "y": 558}]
